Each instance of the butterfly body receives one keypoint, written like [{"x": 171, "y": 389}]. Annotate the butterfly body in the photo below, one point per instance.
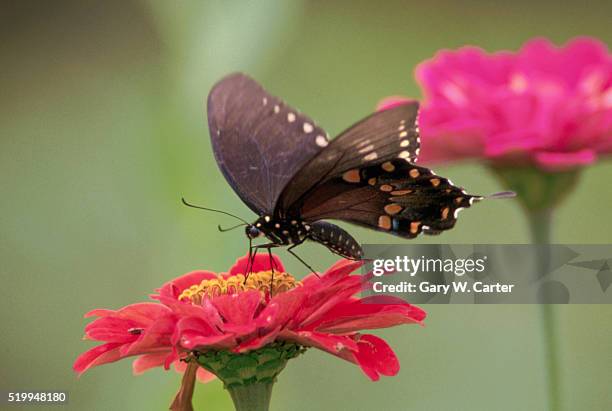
[
  {"x": 279, "y": 231},
  {"x": 294, "y": 232},
  {"x": 284, "y": 167}
]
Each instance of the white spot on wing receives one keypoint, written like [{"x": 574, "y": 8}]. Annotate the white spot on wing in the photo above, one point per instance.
[
  {"x": 308, "y": 128},
  {"x": 405, "y": 143},
  {"x": 290, "y": 117},
  {"x": 371, "y": 156},
  {"x": 321, "y": 141},
  {"x": 276, "y": 108},
  {"x": 363, "y": 143},
  {"x": 404, "y": 154},
  {"x": 366, "y": 149},
  {"x": 264, "y": 101}
]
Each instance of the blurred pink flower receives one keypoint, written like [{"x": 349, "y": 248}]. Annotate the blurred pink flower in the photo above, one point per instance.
[{"x": 543, "y": 105}]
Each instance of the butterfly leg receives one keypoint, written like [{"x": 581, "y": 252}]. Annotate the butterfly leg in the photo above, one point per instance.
[
  {"x": 269, "y": 247},
  {"x": 253, "y": 252},
  {"x": 249, "y": 261},
  {"x": 272, "y": 263},
  {"x": 290, "y": 251}
]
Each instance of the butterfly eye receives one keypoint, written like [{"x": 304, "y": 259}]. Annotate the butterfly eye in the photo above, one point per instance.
[{"x": 252, "y": 232}]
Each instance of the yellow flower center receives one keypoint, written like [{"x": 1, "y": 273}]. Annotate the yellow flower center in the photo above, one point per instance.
[{"x": 264, "y": 282}]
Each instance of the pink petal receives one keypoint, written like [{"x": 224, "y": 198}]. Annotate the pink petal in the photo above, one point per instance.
[
  {"x": 196, "y": 332},
  {"x": 260, "y": 263},
  {"x": 375, "y": 357},
  {"x": 336, "y": 272},
  {"x": 239, "y": 308},
  {"x": 333, "y": 344},
  {"x": 157, "y": 336},
  {"x": 175, "y": 287},
  {"x": 192, "y": 340},
  {"x": 205, "y": 376},
  {"x": 148, "y": 361},
  {"x": 99, "y": 355},
  {"x": 99, "y": 312},
  {"x": 202, "y": 374},
  {"x": 256, "y": 343},
  {"x": 392, "y": 101},
  {"x": 562, "y": 161},
  {"x": 111, "y": 329},
  {"x": 322, "y": 299},
  {"x": 369, "y": 313},
  {"x": 282, "y": 309}
]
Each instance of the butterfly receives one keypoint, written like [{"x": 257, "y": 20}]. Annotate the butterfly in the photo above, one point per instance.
[{"x": 285, "y": 168}]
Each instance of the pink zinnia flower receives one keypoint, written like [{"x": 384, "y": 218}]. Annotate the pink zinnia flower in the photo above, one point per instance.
[
  {"x": 203, "y": 311},
  {"x": 225, "y": 312},
  {"x": 546, "y": 106}
]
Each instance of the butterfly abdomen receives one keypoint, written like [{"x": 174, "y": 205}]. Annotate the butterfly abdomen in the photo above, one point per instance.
[{"x": 336, "y": 239}]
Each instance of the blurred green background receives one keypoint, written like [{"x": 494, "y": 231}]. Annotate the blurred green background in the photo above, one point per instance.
[{"x": 102, "y": 131}]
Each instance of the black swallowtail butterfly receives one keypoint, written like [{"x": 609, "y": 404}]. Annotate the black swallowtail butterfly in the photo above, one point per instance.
[{"x": 285, "y": 168}]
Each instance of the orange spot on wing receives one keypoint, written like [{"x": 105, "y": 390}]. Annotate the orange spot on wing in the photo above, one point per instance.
[
  {"x": 384, "y": 222},
  {"x": 392, "y": 209},
  {"x": 351, "y": 176},
  {"x": 388, "y": 166}
]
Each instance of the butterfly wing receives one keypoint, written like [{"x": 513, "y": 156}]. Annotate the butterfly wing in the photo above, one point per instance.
[
  {"x": 366, "y": 176},
  {"x": 383, "y": 136},
  {"x": 394, "y": 196},
  {"x": 259, "y": 142}
]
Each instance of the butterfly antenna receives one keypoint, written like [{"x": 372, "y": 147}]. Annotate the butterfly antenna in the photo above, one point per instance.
[
  {"x": 231, "y": 228},
  {"x": 496, "y": 196},
  {"x": 212, "y": 209},
  {"x": 500, "y": 195}
]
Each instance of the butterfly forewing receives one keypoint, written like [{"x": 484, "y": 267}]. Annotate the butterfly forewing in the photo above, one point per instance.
[
  {"x": 259, "y": 142},
  {"x": 382, "y": 136}
]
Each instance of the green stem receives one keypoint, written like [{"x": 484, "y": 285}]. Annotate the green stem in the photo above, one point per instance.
[
  {"x": 540, "y": 223},
  {"x": 251, "y": 397}
]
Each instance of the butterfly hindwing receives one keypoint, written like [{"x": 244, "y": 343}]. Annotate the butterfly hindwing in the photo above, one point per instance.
[
  {"x": 382, "y": 136},
  {"x": 260, "y": 143},
  {"x": 394, "y": 196}
]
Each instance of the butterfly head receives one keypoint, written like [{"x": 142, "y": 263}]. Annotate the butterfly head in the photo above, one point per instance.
[{"x": 252, "y": 232}]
